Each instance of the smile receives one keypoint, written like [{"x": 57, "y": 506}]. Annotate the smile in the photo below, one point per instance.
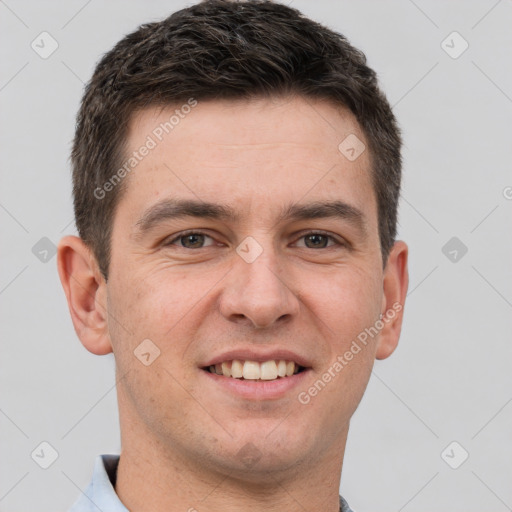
[{"x": 254, "y": 370}]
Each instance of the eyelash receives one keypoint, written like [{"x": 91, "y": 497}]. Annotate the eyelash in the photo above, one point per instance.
[{"x": 193, "y": 232}]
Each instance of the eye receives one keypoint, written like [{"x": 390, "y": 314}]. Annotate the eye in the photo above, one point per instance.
[
  {"x": 189, "y": 240},
  {"x": 196, "y": 240},
  {"x": 318, "y": 239}
]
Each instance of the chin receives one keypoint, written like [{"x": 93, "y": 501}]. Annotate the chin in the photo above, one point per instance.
[{"x": 255, "y": 457}]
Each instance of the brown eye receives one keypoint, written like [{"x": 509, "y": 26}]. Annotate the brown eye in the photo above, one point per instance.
[
  {"x": 316, "y": 240},
  {"x": 190, "y": 240},
  {"x": 195, "y": 241}
]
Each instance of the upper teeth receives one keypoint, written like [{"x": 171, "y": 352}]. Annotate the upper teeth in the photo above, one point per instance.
[{"x": 253, "y": 370}]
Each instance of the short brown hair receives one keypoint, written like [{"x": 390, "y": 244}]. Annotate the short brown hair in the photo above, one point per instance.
[{"x": 222, "y": 49}]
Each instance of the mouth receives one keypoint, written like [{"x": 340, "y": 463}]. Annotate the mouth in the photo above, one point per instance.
[
  {"x": 256, "y": 375},
  {"x": 257, "y": 371}
]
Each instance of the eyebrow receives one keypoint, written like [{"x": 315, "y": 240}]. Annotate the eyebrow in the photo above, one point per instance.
[{"x": 170, "y": 209}]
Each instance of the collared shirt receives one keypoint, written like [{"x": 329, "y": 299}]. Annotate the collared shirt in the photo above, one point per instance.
[{"x": 100, "y": 494}]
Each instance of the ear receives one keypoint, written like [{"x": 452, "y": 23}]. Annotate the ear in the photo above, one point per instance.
[
  {"x": 395, "y": 284},
  {"x": 86, "y": 292}
]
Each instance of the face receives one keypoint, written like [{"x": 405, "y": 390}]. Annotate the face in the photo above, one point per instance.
[{"x": 219, "y": 256}]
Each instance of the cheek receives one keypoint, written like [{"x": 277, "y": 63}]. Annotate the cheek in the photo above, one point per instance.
[
  {"x": 155, "y": 302},
  {"x": 161, "y": 312},
  {"x": 164, "y": 307},
  {"x": 347, "y": 302},
  {"x": 352, "y": 308}
]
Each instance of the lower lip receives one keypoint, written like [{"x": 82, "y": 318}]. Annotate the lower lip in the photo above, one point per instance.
[{"x": 258, "y": 389}]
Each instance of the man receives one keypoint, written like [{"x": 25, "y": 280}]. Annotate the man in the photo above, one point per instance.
[{"x": 236, "y": 176}]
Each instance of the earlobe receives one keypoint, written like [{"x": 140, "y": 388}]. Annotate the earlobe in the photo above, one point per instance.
[
  {"x": 85, "y": 291},
  {"x": 395, "y": 285}
]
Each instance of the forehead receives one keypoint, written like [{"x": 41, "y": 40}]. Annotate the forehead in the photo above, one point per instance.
[{"x": 248, "y": 153}]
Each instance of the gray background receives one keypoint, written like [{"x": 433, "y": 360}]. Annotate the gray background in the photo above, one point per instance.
[{"x": 450, "y": 378}]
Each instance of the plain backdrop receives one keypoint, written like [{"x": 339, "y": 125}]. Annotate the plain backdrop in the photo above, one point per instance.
[{"x": 450, "y": 379}]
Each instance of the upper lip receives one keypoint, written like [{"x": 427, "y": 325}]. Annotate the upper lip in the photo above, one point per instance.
[{"x": 245, "y": 354}]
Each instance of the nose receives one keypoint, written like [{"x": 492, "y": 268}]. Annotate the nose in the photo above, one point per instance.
[{"x": 259, "y": 293}]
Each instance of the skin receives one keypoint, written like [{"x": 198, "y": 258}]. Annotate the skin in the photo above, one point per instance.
[{"x": 182, "y": 434}]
